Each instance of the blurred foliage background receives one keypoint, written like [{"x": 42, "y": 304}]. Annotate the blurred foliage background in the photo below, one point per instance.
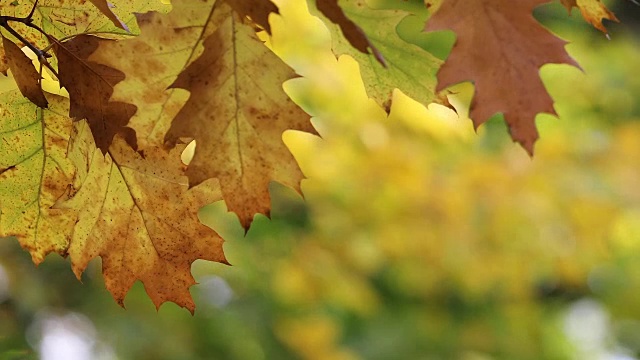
[{"x": 417, "y": 238}]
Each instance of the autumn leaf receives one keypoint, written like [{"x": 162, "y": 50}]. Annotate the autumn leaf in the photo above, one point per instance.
[
  {"x": 138, "y": 214},
  {"x": 408, "y": 67},
  {"x": 593, "y": 11},
  {"x": 237, "y": 118},
  {"x": 90, "y": 86},
  {"x": 34, "y": 173},
  {"x": 25, "y": 75},
  {"x": 152, "y": 62},
  {"x": 500, "y": 47},
  {"x": 238, "y": 123},
  {"x": 352, "y": 32}
]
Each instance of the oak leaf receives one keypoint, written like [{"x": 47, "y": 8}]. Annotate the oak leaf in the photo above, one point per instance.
[
  {"x": 140, "y": 216},
  {"x": 237, "y": 112},
  {"x": 24, "y": 73},
  {"x": 152, "y": 62},
  {"x": 408, "y": 67},
  {"x": 90, "y": 86},
  {"x": 500, "y": 47},
  {"x": 593, "y": 11},
  {"x": 236, "y": 117},
  {"x": 34, "y": 173}
]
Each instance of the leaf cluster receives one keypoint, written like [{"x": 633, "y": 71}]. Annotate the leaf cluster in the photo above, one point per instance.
[{"x": 96, "y": 170}]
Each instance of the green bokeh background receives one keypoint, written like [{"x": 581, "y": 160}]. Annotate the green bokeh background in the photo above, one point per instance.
[{"x": 417, "y": 238}]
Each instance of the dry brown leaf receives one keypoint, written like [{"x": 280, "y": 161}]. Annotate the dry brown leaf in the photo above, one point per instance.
[
  {"x": 90, "y": 86},
  {"x": 25, "y": 75},
  {"x": 500, "y": 47},
  {"x": 237, "y": 118}
]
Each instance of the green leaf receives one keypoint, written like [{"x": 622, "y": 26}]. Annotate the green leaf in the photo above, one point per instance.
[
  {"x": 34, "y": 173},
  {"x": 409, "y": 67}
]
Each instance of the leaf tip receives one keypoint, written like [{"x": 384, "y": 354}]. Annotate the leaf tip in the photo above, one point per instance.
[
  {"x": 526, "y": 141},
  {"x": 224, "y": 260},
  {"x": 528, "y": 147}
]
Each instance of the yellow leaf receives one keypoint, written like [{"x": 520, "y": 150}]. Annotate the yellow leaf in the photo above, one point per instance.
[
  {"x": 139, "y": 215},
  {"x": 593, "y": 11}
]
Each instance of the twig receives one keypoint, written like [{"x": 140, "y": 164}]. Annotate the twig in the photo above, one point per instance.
[{"x": 28, "y": 21}]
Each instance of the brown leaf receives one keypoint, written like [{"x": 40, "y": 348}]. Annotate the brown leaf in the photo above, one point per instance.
[
  {"x": 593, "y": 11},
  {"x": 139, "y": 215},
  {"x": 25, "y": 75},
  {"x": 352, "y": 32},
  {"x": 105, "y": 8},
  {"x": 90, "y": 86},
  {"x": 500, "y": 47},
  {"x": 237, "y": 112}
]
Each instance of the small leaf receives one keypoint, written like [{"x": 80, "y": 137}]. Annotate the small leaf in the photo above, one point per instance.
[
  {"x": 90, "y": 86},
  {"x": 24, "y": 73},
  {"x": 593, "y": 11}
]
